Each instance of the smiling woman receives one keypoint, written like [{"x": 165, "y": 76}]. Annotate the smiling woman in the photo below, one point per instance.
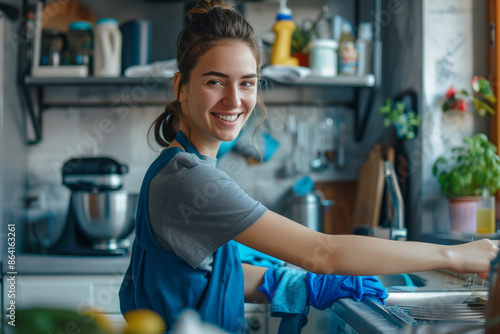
[{"x": 190, "y": 214}]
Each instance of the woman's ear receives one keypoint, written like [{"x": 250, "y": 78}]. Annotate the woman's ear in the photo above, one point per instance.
[{"x": 179, "y": 94}]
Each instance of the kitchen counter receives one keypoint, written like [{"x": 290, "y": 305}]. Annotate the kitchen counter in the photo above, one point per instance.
[
  {"x": 455, "y": 238},
  {"x": 440, "y": 302},
  {"x": 33, "y": 264}
]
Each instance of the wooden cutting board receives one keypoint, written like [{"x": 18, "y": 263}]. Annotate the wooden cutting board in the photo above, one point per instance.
[
  {"x": 369, "y": 190},
  {"x": 338, "y": 220}
]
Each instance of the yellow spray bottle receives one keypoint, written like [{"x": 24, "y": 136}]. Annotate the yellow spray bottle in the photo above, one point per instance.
[{"x": 283, "y": 28}]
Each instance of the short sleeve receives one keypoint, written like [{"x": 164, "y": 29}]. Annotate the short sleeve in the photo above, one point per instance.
[{"x": 198, "y": 207}]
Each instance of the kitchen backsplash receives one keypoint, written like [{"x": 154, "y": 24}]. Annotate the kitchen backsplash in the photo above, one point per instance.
[{"x": 100, "y": 132}]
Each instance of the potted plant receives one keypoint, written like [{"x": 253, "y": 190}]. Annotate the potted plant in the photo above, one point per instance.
[
  {"x": 303, "y": 35},
  {"x": 404, "y": 121},
  {"x": 300, "y": 41},
  {"x": 472, "y": 170}
]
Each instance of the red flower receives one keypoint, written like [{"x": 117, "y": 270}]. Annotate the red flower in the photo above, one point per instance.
[
  {"x": 462, "y": 105},
  {"x": 450, "y": 92}
]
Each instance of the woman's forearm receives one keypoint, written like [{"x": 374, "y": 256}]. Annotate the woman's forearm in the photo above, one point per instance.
[{"x": 361, "y": 255}]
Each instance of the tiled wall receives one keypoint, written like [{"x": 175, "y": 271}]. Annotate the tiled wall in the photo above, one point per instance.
[{"x": 77, "y": 132}]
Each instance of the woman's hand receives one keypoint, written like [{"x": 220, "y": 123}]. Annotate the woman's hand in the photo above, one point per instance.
[{"x": 473, "y": 257}]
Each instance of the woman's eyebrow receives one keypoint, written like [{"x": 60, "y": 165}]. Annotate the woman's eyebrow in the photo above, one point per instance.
[{"x": 219, "y": 74}]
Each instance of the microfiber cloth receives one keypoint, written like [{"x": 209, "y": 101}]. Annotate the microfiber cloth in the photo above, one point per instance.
[{"x": 285, "y": 288}]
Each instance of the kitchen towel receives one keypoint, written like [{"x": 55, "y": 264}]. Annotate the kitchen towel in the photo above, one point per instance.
[
  {"x": 286, "y": 74},
  {"x": 285, "y": 289},
  {"x": 165, "y": 68}
]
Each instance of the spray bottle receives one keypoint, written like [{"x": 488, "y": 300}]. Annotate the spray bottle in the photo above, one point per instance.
[{"x": 283, "y": 28}]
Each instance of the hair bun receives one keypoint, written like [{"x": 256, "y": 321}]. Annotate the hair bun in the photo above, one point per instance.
[{"x": 204, "y": 6}]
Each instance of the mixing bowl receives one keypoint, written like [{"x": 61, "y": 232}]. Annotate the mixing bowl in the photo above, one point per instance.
[{"x": 105, "y": 217}]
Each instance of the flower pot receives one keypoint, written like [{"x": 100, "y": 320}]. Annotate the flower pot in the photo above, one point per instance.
[
  {"x": 302, "y": 57},
  {"x": 463, "y": 213}
]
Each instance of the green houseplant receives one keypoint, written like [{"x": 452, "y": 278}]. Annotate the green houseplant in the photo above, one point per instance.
[
  {"x": 300, "y": 41},
  {"x": 302, "y": 36},
  {"x": 404, "y": 122},
  {"x": 469, "y": 177},
  {"x": 471, "y": 168}
]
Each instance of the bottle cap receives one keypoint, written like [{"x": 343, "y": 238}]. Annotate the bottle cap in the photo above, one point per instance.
[
  {"x": 80, "y": 25},
  {"x": 324, "y": 43},
  {"x": 284, "y": 13},
  {"x": 108, "y": 21}
]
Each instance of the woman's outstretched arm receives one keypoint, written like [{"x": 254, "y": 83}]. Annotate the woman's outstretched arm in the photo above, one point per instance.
[{"x": 321, "y": 253}]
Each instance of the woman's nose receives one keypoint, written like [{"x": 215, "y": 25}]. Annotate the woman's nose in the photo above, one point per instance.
[{"x": 231, "y": 97}]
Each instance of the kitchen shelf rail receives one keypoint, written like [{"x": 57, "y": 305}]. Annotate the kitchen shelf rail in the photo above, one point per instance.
[
  {"x": 94, "y": 81},
  {"x": 340, "y": 80},
  {"x": 337, "y": 81}
]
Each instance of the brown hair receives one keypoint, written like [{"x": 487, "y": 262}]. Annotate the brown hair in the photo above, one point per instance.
[{"x": 210, "y": 23}]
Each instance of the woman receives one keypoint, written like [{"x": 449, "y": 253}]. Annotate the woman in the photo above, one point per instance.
[{"x": 189, "y": 212}]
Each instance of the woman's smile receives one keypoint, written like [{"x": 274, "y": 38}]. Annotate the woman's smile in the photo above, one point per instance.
[{"x": 231, "y": 118}]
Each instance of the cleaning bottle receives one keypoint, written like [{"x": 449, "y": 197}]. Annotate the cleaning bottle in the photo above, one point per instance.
[
  {"x": 348, "y": 55},
  {"x": 283, "y": 28}
]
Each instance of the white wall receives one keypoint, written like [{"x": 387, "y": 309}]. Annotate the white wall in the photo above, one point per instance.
[
  {"x": 13, "y": 151},
  {"x": 450, "y": 58}
]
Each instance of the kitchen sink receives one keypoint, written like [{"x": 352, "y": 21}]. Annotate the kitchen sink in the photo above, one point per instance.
[
  {"x": 422, "y": 302},
  {"x": 436, "y": 298}
]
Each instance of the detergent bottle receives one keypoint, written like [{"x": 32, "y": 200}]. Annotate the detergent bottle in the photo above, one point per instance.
[
  {"x": 283, "y": 28},
  {"x": 107, "y": 49}
]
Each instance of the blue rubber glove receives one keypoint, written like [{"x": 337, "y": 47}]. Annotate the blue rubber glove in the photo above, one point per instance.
[{"x": 324, "y": 290}]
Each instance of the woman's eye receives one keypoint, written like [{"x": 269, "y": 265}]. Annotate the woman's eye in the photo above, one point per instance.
[
  {"x": 248, "y": 83},
  {"x": 215, "y": 83}
]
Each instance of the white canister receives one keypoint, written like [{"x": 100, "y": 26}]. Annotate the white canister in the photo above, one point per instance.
[
  {"x": 323, "y": 57},
  {"x": 107, "y": 48}
]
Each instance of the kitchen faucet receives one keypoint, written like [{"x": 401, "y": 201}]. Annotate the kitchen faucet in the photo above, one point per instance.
[{"x": 398, "y": 229}]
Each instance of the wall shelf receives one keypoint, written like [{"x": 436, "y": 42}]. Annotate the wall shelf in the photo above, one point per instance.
[
  {"x": 355, "y": 92},
  {"x": 94, "y": 81},
  {"x": 337, "y": 81}
]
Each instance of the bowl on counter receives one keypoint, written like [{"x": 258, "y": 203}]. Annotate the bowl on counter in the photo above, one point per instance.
[{"x": 105, "y": 217}]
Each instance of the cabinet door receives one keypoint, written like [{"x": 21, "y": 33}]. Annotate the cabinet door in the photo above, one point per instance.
[
  {"x": 74, "y": 292},
  {"x": 494, "y": 73}
]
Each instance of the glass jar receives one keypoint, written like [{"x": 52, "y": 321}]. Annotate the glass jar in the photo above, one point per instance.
[
  {"x": 485, "y": 213},
  {"x": 323, "y": 57},
  {"x": 80, "y": 44}
]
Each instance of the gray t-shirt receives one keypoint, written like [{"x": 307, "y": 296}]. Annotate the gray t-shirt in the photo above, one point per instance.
[{"x": 194, "y": 208}]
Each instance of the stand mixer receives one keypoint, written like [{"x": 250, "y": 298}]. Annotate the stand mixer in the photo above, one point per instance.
[{"x": 101, "y": 215}]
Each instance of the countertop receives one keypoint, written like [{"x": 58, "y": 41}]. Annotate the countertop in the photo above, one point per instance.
[
  {"x": 441, "y": 293},
  {"x": 44, "y": 264}
]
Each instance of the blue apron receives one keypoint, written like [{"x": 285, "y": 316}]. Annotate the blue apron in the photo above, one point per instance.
[{"x": 159, "y": 280}]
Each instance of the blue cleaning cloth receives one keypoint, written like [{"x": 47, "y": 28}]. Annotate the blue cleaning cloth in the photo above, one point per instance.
[{"x": 285, "y": 289}]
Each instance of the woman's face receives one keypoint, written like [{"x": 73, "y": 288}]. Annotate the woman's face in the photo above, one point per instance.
[{"x": 220, "y": 95}]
